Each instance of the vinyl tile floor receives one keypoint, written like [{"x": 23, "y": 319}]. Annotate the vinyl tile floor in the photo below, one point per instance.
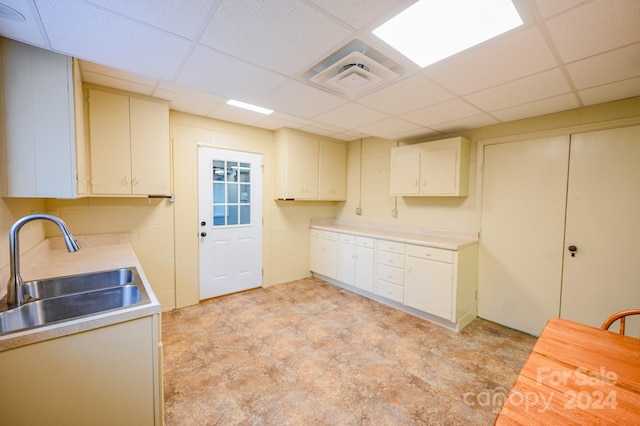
[{"x": 311, "y": 353}]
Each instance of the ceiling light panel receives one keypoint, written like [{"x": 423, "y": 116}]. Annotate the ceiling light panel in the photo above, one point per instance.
[{"x": 432, "y": 30}]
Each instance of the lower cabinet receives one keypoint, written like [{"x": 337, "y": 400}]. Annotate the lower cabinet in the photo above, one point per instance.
[
  {"x": 323, "y": 253},
  {"x": 107, "y": 376},
  {"x": 422, "y": 279},
  {"x": 429, "y": 281}
]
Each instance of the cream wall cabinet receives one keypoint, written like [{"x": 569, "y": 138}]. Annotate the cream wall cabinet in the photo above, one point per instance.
[
  {"x": 309, "y": 168},
  {"x": 129, "y": 139},
  {"x": 44, "y": 153},
  {"x": 323, "y": 255},
  {"x": 438, "y": 168},
  {"x": 332, "y": 165},
  {"x": 106, "y": 376}
]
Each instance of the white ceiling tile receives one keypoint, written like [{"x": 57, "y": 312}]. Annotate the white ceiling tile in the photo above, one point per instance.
[
  {"x": 406, "y": 95},
  {"x": 116, "y": 83},
  {"x": 507, "y": 58},
  {"x": 322, "y": 129},
  {"x": 389, "y": 128},
  {"x": 282, "y": 35},
  {"x": 356, "y": 13},
  {"x": 235, "y": 115},
  {"x": 350, "y": 116},
  {"x": 187, "y": 100},
  {"x": 28, "y": 31},
  {"x": 286, "y": 98},
  {"x": 540, "y": 107},
  {"x": 540, "y": 86},
  {"x": 608, "y": 67},
  {"x": 446, "y": 111},
  {"x": 576, "y": 33},
  {"x": 611, "y": 92},
  {"x": 93, "y": 68},
  {"x": 222, "y": 75},
  {"x": 549, "y": 8},
  {"x": 185, "y": 18},
  {"x": 88, "y": 32},
  {"x": 473, "y": 122}
]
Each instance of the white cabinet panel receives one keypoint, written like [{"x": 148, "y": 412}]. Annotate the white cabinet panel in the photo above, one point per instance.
[
  {"x": 323, "y": 256},
  {"x": 438, "y": 168},
  {"x": 309, "y": 168},
  {"x": 43, "y": 153},
  {"x": 129, "y": 139},
  {"x": 429, "y": 286}
]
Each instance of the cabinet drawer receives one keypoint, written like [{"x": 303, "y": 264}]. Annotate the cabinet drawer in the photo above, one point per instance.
[
  {"x": 347, "y": 238},
  {"x": 393, "y": 275},
  {"x": 326, "y": 235},
  {"x": 365, "y": 242},
  {"x": 430, "y": 253},
  {"x": 391, "y": 259},
  {"x": 390, "y": 246},
  {"x": 390, "y": 291}
]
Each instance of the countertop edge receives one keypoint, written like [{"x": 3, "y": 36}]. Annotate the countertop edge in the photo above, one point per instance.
[{"x": 448, "y": 242}]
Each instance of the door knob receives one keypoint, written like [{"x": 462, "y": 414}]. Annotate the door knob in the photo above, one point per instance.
[
  {"x": 203, "y": 223},
  {"x": 573, "y": 250},
  {"x": 203, "y": 234}
]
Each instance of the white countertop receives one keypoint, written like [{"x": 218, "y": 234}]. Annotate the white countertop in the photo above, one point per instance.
[
  {"x": 445, "y": 239},
  {"x": 50, "y": 258}
]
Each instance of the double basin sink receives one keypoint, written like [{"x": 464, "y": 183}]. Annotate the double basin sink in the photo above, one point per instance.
[{"x": 65, "y": 298}]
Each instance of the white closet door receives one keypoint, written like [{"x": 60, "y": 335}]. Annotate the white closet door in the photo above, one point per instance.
[
  {"x": 603, "y": 223},
  {"x": 522, "y": 228}
]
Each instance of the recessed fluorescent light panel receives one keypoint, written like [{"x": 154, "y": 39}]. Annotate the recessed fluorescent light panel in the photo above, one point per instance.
[
  {"x": 431, "y": 30},
  {"x": 250, "y": 107}
]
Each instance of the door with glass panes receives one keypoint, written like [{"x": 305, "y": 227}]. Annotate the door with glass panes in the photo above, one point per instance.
[{"x": 230, "y": 215}]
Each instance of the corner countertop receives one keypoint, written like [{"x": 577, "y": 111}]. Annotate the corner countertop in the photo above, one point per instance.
[
  {"x": 445, "y": 239},
  {"x": 49, "y": 258}
]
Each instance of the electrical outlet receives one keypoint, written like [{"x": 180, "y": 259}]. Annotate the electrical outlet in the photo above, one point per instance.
[
  {"x": 358, "y": 210},
  {"x": 394, "y": 212}
]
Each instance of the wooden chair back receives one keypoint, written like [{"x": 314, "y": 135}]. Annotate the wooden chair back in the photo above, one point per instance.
[{"x": 622, "y": 315}]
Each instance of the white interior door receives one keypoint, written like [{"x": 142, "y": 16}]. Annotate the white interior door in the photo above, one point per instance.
[
  {"x": 603, "y": 223},
  {"x": 230, "y": 210},
  {"x": 522, "y": 229}
]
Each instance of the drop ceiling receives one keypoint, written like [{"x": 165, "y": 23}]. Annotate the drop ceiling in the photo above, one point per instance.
[{"x": 199, "y": 53}]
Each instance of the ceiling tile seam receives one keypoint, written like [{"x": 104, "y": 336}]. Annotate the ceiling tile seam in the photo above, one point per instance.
[
  {"x": 329, "y": 15},
  {"x": 195, "y": 42},
  {"x": 546, "y": 35},
  {"x": 43, "y": 32}
]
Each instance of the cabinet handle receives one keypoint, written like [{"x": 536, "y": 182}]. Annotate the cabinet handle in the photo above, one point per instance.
[
  {"x": 125, "y": 181},
  {"x": 134, "y": 182}
]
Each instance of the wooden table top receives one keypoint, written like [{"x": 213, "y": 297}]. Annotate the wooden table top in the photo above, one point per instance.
[{"x": 576, "y": 374}]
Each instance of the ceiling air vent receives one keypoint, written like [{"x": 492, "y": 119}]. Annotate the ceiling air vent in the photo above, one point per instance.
[{"x": 353, "y": 75}]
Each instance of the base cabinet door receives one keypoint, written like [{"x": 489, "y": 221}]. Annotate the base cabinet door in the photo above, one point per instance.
[
  {"x": 323, "y": 255},
  {"x": 428, "y": 286},
  {"x": 364, "y": 268},
  {"x": 107, "y": 376}
]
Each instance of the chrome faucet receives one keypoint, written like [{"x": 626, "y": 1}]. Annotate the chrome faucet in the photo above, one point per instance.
[{"x": 15, "y": 296}]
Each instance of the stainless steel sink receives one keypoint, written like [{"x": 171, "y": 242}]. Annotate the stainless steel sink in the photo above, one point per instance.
[
  {"x": 53, "y": 287},
  {"x": 75, "y": 296}
]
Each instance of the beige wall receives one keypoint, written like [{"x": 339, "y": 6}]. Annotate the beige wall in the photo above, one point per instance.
[
  {"x": 369, "y": 159},
  {"x": 285, "y": 232},
  {"x": 165, "y": 234},
  {"x": 148, "y": 222}
]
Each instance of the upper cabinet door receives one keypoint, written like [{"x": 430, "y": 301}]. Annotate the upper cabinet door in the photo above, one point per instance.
[
  {"x": 110, "y": 143},
  {"x": 332, "y": 165},
  {"x": 39, "y": 122},
  {"x": 129, "y": 145},
  {"x": 438, "y": 168},
  {"x": 149, "y": 147}
]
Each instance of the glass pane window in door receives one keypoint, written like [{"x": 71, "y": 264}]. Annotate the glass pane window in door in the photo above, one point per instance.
[
  {"x": 232, "y": 215},
  {"x": 231, "y": 193}
]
